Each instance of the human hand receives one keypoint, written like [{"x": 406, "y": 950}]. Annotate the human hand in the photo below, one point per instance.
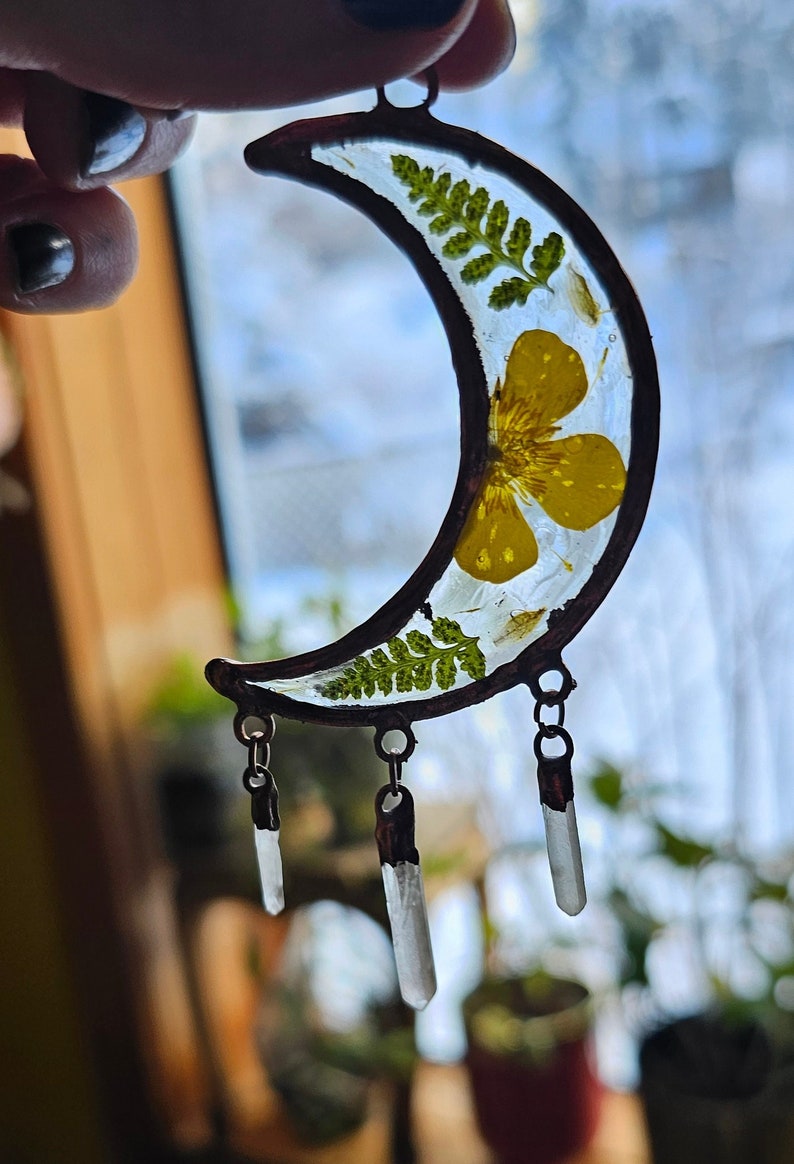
[{"x": 101, "y": 92}]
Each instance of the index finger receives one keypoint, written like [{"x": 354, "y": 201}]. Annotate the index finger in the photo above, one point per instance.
[{"x": 248, "y": 53}]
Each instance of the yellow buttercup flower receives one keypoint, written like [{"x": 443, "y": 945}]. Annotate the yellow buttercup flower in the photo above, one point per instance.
[{"x": 578, "y": 480}]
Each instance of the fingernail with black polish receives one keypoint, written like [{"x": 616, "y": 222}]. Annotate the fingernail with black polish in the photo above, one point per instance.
[
  {"x": 393, "y": 15},
  {"x": 178, "y": 114},
  {"x": 114, "y": 134},
  {"x": 42, "y": 255}
]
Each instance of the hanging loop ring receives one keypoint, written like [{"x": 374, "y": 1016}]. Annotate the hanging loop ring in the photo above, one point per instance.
[
  {"x": 264, "y": 733},
  {"x": 431, "y": 80},
  {"x": 394, "y": 725},
  {"x": 551, "y": 696}
]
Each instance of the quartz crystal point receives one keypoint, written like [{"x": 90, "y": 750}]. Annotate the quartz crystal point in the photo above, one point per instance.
[
  {"x": 271, "y": 877},
  {"x": 267, "y": 825},
  {"x": 565, "y": 858},
  {"x": 405, "y": 902},
  {"x": 405, "y": 896}
]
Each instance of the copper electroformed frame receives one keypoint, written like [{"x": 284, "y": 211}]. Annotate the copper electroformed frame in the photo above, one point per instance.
[{"x": 287, "y": 152}]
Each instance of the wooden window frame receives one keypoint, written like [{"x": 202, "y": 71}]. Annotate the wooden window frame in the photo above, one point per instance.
[{"x": 114, "y": 569}]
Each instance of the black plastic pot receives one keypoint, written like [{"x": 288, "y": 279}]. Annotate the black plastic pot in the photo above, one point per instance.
[{"x": 716, "y": 1093}]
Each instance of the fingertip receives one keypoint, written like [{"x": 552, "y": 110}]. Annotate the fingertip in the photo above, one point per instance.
[
  {"x": 82, "y": 140},
  {"x": 61, "y": 251},
  {"x": 483, "y": 51}
]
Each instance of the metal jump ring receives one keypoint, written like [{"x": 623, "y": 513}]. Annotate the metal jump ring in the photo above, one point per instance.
[
  {"x": 395, "y": 770},
  {"x": 245, "y": 737},
  {"x": 557, "y": 706},
  {"x": 431, "y": 80},
  {"x": 257, "y": 759}
]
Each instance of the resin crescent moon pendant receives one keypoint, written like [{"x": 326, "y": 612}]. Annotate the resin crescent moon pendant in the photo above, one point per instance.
[{"x": 559, "y": 412}]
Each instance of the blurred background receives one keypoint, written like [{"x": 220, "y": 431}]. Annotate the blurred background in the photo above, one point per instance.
[{"x": 248, "y": 456}]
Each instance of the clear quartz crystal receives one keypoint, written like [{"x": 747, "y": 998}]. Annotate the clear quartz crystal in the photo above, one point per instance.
[
  {"x": 405, "y": 901},
  {"x": 565, "y": 858},
  {"x": 271, "y": 877}
]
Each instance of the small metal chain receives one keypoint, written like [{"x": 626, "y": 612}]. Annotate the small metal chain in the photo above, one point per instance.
[{"x": 554, "y": 768}]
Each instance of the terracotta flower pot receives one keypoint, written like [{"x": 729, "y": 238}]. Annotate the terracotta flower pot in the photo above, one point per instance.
[
  {"x": 529, "y": 1061},
  {"x": 716, "y": 1094}
]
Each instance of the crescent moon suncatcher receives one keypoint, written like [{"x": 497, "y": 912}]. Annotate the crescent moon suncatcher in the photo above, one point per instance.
[{"x": 559, "y": 415}]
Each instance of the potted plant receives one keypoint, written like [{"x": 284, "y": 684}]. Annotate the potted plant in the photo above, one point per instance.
[
  {"x": 529, "y": 1061},
  {"x": 530, "y": 1058},
  {"x": 717, "y": 1063}
]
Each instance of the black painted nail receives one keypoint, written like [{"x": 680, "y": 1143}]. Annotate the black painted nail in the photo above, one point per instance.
[
  {"x": 393, "y": 15},
  {"x": 114, "y": 134},
  {"x": 178, "y": 114},
  {"x": 42, "y": 254}
]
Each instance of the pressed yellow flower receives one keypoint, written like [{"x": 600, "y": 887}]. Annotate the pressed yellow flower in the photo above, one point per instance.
[{"x": 578, "y": 480}]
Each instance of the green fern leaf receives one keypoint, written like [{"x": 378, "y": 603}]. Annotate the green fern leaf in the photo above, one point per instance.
[
  {"x": 450, "y": 205},
  {"x": 411, "y": 664}
]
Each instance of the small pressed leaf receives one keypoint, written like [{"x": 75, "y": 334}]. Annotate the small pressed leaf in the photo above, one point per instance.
[
  {"x": 379, "y": 659},
  {"x": 478, "y": 268},
  {"x": 582, "y": 299},
  {"x": 423, "y": 674}
]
